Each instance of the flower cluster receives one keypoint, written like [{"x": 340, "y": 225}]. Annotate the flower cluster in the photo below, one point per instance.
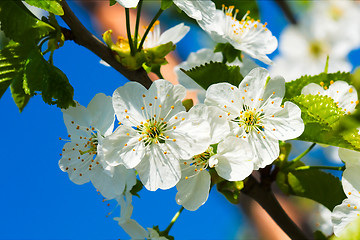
[{"x": 236, "y": 132}]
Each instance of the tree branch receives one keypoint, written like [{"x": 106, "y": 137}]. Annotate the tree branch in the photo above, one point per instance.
[
  {"x": 84, "y": 38},
  {"x": 287, "y": 11},
  {"x": 264, "y": 196}
]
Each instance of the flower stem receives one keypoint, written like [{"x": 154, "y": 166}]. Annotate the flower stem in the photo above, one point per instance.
[
  {"x": 173, "y": 220},
  {"x": 321, "y": 167},
  {"x": 131, "y": 44},
  {"x": 138, "y": 14},
  {"x": 304, "y": 153},
  {"x": 149, "y": 28}
]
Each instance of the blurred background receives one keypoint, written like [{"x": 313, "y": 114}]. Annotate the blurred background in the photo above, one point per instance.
[{"x": 38, "y": 201}]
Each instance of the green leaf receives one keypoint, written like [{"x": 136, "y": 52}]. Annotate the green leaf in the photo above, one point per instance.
[
  {"x": 27, "y": 72},
  {"x": 318, "y": 235},
  {"x": 228, "y": 51},
  {"x": 214, "y": 72},
  {"x": 242, "y": 5},
  {"x": 20, "y": 25},
  {"x": 294, "y": 88},
  {"x": 231, "y": 190},
  {"x": 136, "y": 188},
  {"x": 52, "y": 6},
  {"x": 39, "y": 75},
  {"x": 319, "y": 186},
  {"x": 321, "y": 117},
  {"x": 165, "y": 4},
  {"x": 112, "y": 2},
  {"x": 188, "y": 104}
]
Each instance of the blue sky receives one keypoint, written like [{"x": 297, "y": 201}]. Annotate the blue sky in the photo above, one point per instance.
[{"x": 38, "y": 201}]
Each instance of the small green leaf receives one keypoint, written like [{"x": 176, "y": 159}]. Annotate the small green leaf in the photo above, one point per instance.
[
  {"x": 18, "y": 93},
  {"x": 214, "y": 72},
  {"x": 112, "y": 2},
  {"x": 228, "y": 51},
  {"x": 136, "y": 188},
  {"x": 19, "y": 25},
  {"x": 188, "y": 104},
  {"x": 318, "y": 235},
  {"x": 165, "y": 4},
  {"x": 294, "y": 88},
  {"x": 317, "y": 185},
  {"x": 52, "y": 6},
  {"x": 321, "y": 117},
  {"x": 231, "y": 190}
]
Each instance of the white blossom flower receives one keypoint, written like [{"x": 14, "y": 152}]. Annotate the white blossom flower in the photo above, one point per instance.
[
  {"x": 336, "y": 20},
  {"x": 247, "y": 35},
  {"x": 128, "y": 3},
  {"x": 349, "y": 210},
  {"x": 155, "y": 132},
  {"x": 174, "y": 35},
  {"x": 304, "y": 52},
  {"x": 82, "y": 156},
  {"x": 201, "y": 10},
  {"x": 343, "y": 94},
  {"x": 233, "y": 160},
  {"x": 254, "y": 113},
  {"x": 154, "y": 235},
  {"x": 205, "y": 56}
]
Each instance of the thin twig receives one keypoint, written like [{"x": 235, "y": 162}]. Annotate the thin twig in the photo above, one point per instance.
[
  {"x": 287, "y": 11},
  {"x": 84, "y": 38}
]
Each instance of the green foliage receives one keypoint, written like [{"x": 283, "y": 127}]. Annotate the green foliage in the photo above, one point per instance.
[
  {"x": 19, "y": 25},
  {"x": 165, "y": 4},
  {"x": 188, "y": 104},
  {"x": 294, "y": 88},
  {"x": 136, "y": 188},
  {"x": 112, "y": 2},
  {"x": 351, "y": 232},
  {"x": 319, "y": 186},
  {"x": 231, "y": 190},
  {"x": 214, "y": 72},
  {"x": 242, "y": 5},
  {"x": 52, "y": 6},
  {"x": 27, "y": 72},
  {"x": 228, "y": 51},
  {"x": 318, "y": 235},
  {"x": 321, "y": 117}
]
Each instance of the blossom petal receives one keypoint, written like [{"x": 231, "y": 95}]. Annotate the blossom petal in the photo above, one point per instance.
[
  {"x": 286, "y": 123},
  {"x": 344, "y": 214},
  {"x": 266, "y": 149},
  {"x": 102, "y": 113},
  {"x": 174, "y": 34},
  {"x": 75, "y": 116},
  {"x": 167, "y": 95},
  {"x": 197, "y": 9},
  {"x": 77, "y": 165},
  {"x": 225, "y": 94},
  {"x": 234, "y": 159},
  {"x": 258, "y": 85},
  {"x": 219, "y": 127},
  {"x": 343, "y": 94},
  {"x": 190, "y": 136},
  {"x": 127, "y": 101},
  {"x": 113, "y": 186},
  {"x": 123, "y": 147},
  {"x": 194, "y": 191},
  {"x": 128, "y": 3},
  {"x": 158, "y": 170}
]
